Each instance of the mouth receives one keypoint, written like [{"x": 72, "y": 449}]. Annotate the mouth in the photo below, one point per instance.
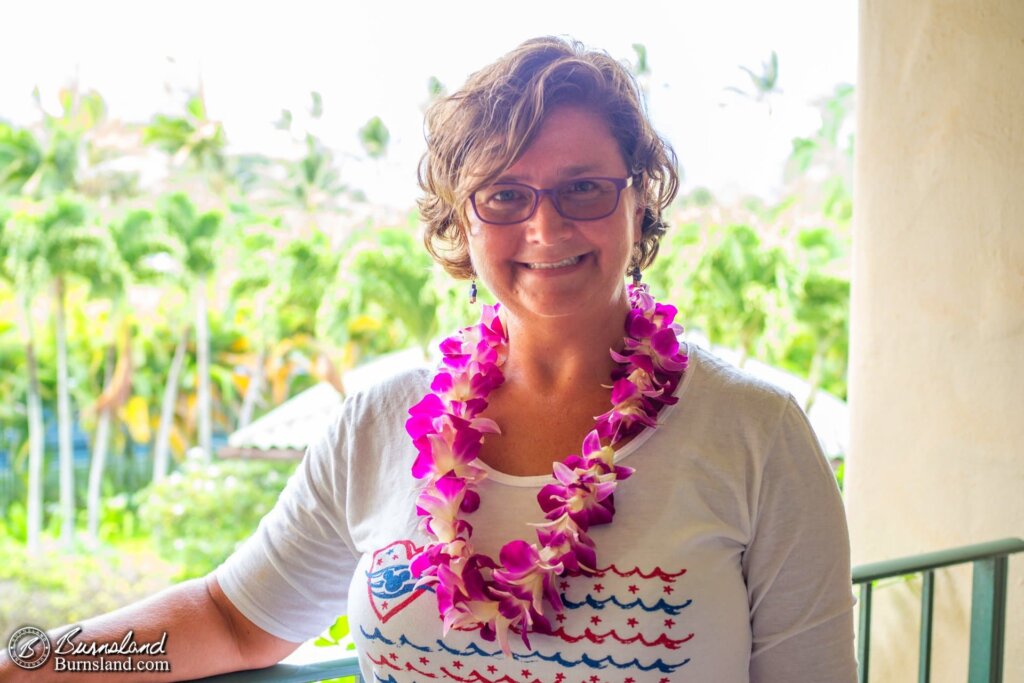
[{"x": 552, "y": 265}]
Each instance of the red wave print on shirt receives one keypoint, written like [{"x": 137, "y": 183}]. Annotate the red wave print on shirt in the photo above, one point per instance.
[
  {"x": 662, "y": 640},
  {"x": 657, "y": 572}
]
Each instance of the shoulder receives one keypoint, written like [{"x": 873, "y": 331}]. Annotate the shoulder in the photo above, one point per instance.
[
  {"x": 721, "y": 386},
  {"x": 378, "y": 411},
  {"x": 394, "y": 394}
]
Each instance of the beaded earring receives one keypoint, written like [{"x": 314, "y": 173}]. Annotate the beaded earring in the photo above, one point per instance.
[{"x": 472, "y": 291}]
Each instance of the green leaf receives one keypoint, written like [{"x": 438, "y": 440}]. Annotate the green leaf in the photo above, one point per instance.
[
  {"x": 374, "y": 137},
  {"x": 339, "y": 629},
  {"x": 642, "y": 68},
  {"x": 435, "y": 88},
  {"x": 197, "y": 108},
  {"x": 285, "y": 122}
]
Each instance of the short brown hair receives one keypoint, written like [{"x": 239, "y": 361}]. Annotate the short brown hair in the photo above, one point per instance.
[{"x": 477, "y": 133}]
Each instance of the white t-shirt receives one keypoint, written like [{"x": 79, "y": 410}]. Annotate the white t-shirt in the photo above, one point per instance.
[{"x": 727, "y": 560}]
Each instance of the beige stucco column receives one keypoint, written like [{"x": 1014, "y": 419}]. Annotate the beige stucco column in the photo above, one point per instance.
[{"x": 937, "y": 348}]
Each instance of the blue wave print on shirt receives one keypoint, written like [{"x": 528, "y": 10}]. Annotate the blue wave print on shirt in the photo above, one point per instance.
[
  {"x": 391, "y": 582},
  {"x": 602, "y": 663},
  {"x": 472, "y": 650},
  {"x": 389, "y": 679},
  {"x": 376, "y": 635},
  {"x": 660, "y": 606},
  {"x": 405, "y": 641}
]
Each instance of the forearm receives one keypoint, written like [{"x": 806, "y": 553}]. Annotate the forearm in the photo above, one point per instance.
[{"x": 201, "y": 639}]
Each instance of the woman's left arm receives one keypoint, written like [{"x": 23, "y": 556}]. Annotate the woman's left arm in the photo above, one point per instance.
[{"x": 797, "y": 565}]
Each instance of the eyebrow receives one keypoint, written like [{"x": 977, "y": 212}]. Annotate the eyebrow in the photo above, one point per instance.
[{"x": 566, "y": 172}]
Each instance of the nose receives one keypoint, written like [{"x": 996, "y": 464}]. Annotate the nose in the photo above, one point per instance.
[{"x": 546, "y": 225}]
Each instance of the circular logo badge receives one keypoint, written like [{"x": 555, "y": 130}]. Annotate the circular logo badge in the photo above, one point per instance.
[{"x": 29, "y": 647}]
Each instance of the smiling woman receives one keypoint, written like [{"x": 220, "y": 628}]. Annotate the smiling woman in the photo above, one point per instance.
[{"x": 692, "y": 531}]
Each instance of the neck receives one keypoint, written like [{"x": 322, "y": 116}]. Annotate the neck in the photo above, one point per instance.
[{"x": 551, "y": 355}]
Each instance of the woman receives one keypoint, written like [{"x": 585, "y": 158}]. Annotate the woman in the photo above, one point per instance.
[
  {"x": 724, "y": 556},
  {"x": 479, "y": 499}
]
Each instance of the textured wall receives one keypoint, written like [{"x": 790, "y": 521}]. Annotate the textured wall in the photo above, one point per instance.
[{"x": 937, "y": 348}]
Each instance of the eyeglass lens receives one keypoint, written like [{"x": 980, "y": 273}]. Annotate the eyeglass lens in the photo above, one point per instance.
[{"x": 583, "y": 199}]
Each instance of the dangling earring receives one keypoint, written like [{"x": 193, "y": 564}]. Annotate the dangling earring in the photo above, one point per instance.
[
  {"x": 472, "y": 291},
  {"x": 634, "y": 271}
]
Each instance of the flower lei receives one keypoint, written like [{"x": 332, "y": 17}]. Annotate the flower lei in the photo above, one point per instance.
[{"x": 447, "y": 430}]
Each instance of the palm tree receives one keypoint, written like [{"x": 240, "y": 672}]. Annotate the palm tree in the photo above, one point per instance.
[
  {"x": 306, "y": 190},
  {"x": 821, "y": 164},
  {"x": 196, "y": 233},
  {"x": 764, "y": 84},
  {"x": 385, "y": 276},
  {"x": 69, "y": 245},
  {"x": 193, "y": 140},
  {"x": 137, "y": 240},
  {"x": 21, "y": 272},
  {"x": 54, "y": 164},
  {"x": 197, "y": 142},
  {"x": 284, "y": 293},
  {"x": 253, "y": 289}
]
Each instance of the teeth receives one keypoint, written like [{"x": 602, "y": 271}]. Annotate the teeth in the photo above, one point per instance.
[{"x": 572, "y": 260}]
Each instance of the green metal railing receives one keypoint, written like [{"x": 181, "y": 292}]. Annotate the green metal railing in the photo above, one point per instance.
[
  {"x": 988, "y": 605},
  {"x": 293, "y": 673},
  {"x": 988, "y": 616}
]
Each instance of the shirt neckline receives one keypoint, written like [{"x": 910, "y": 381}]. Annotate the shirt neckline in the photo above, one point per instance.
[{"x": 538, "y": 480}]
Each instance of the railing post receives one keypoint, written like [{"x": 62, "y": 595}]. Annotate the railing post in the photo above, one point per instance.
[
  {"x": 988, "y": 616},
  {"x": 864, "y": 633},
  {"x": 924, "y": 662}
]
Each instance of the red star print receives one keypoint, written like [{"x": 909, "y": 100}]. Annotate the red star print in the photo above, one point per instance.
[
  {"x": 595, "y": 620},
  {"x": 384, "y": 605},
  {"x": 633, "y": 589},
  {"x": 559, "y": 678},
  {"x": 632, "y": 622},
  {"x": 457, "y": 664},
  {"x": 524, "y": 672},
  {"x": 560, "y": 618},
  {"x": 665, "y": 680},
  {"x": 595, "y": 679},
  {"x": 564, "y": 585},
  {"x": 380, "y": 560},
  {"x": 598, "y": 587},
  {"x": 424, "y": 661},
  {"x": 491, "y": 668},
  {"x": 630, "y": 680},
  {"x": 393, "y": 656},
  {"x": 667, "y": 589},
  {"x": 669, "y": 623}
]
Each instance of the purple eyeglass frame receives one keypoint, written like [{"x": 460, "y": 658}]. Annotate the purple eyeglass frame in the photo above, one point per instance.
[{"x": 620, "y": 185}]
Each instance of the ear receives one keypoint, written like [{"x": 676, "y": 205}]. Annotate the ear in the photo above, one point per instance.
[
  {"x": 638, "y": 217},
  {"x": 638, "y": 223}
]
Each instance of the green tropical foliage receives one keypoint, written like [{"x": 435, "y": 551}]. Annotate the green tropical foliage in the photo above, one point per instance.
[{"x": 201, "y": 513}]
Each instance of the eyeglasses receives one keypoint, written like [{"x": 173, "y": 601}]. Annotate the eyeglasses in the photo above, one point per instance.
[{"x": 582, "y": 199}]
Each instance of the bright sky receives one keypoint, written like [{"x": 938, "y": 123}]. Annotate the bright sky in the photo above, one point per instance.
[{"x": 375, "y": 58}]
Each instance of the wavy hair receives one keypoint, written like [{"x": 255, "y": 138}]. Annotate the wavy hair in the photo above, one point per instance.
[{"x": 477, "y": 133}]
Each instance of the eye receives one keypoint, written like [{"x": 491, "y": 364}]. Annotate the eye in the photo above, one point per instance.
[
  {"x": 503, "y": 195},
  {"x": 584, "y": 186}
]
